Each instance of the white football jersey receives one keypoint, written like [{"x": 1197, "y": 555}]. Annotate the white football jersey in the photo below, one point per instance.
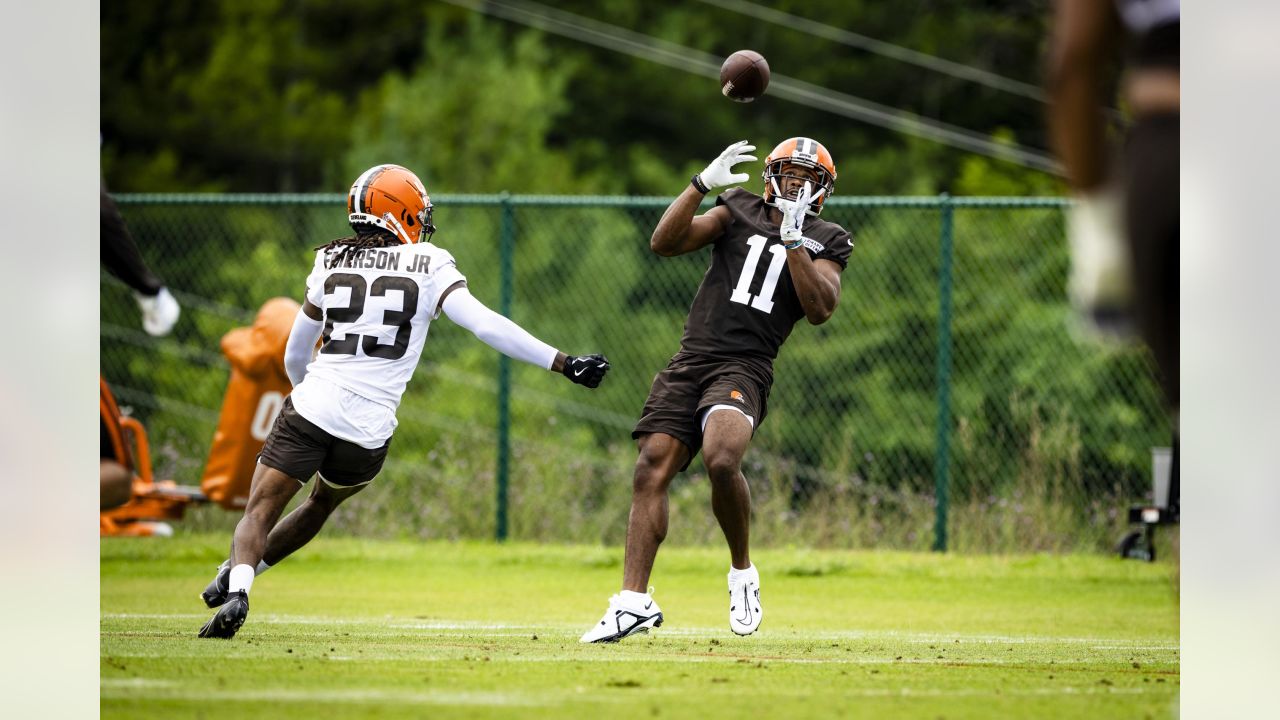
[{"x": 378, "y": 304}]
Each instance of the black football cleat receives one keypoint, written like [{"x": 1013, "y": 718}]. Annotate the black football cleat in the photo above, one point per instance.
[
  {"x": 215, "y": 595},
  {"x": 229, "y": 617}
]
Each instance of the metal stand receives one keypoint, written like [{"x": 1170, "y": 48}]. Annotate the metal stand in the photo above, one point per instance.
[{"x": 1140, "y": 542}]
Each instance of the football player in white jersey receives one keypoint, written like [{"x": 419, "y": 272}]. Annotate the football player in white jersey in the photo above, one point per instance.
[{"x": 370, "y": 299}]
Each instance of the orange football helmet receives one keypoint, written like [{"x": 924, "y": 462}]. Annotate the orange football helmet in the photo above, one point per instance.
[
  {"x": 394, "y": 199},
  {"x": 806, "y": 153}
]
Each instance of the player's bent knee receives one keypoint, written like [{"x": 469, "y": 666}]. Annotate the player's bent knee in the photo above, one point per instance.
[
  {"x": 661, "y": 454},
  {"x": 271, "y": 491},
  {"x": 650, "y": 480},
  {"x": 327, "y": 499},
  {"x": 723, "y": 465}
]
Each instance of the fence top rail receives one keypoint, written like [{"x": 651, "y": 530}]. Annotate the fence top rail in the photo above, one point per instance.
[{"x": 616, "y": 201}]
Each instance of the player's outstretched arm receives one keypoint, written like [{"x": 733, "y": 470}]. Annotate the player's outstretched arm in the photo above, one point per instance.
[
  {"x": 678, "y": 231},
  {"x": 511, "y": 340},
  {"x": 307, "y": 327},
  {"x": 1081, "y": 50},
  {"x": 817, "y": 282},
  {"x": 121, "y": 257}
]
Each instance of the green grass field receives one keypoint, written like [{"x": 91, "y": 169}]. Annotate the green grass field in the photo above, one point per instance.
[{"x": 356, "y": 629}]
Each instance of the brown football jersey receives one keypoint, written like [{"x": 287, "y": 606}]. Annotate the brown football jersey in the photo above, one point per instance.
[{"x": 747, "y": 303}]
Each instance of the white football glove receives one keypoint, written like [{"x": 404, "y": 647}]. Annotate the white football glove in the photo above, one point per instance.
[
  {"x": 793, "y": 213},
  {"x": 159, "y": 312},
  {"x": 720, "y": 172},
  {"x": 1100, "y": 285}
]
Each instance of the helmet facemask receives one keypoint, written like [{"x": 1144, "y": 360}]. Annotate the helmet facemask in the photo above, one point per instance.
[{"x": 424, "y": 218}]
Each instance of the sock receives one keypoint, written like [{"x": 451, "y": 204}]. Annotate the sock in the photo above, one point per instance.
[
  {"x": 632, "y": 597},
  {"x": 736, "y": 574},
  {"x": 241, "y": 578},
  {"x": 262, "y": 567}
]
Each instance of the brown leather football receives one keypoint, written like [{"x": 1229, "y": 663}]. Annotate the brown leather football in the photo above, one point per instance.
[{"x": 744, "y": 76}]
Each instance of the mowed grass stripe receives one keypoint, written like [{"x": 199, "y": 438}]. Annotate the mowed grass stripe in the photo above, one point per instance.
[
  {"x": 531, "y": 700},
  {"x": 442, "y": 648},
  {"x": 478, "y": 627}
]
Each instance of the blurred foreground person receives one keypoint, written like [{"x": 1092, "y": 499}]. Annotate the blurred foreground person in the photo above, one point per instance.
[
  {"x": 370, "y": 299},
  {"x": 1123, "y": 228},
  {"x": 773, "y": 262},
  {"x": 121, "y": 257}
]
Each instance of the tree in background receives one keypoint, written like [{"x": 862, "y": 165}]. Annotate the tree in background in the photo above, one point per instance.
[
  {"x": 473, "y": 115},
  {"x": 286, "y": 95}
]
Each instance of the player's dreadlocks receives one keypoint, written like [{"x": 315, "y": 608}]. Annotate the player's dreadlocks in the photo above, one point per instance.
[{"x": 368, "y": 238}]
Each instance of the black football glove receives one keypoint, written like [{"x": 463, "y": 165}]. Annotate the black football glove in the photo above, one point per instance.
[{"x": 586, "y": 370}]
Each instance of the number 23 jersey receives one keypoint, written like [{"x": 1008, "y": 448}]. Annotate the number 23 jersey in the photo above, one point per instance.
[
  {"x": 378, "y": 304},
  {"x": 747, "y": 303}
]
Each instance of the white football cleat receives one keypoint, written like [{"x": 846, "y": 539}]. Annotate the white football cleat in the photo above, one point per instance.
[
  {"x": 625, "y": 616},
  {"x": 159, "y": 313},
  {"x": 745, "y": 612}
]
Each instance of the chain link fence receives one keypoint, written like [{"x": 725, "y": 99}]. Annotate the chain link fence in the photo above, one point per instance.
[{"x": 946, "y": 404}]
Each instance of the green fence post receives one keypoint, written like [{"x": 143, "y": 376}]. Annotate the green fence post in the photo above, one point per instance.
[
  {"x": 941, "y": 460},
  {"x": 506, "y": 251}
]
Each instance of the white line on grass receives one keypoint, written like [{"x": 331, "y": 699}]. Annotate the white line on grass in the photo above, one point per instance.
[
  {"x": 380, "y": 697},
  {"x": 379, "y": 626},
  {"x": 136, "y": 682}
]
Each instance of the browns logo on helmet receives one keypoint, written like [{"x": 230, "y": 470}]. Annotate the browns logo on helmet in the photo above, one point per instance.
[
  {"x": 804, "y": 152},
  {"x": 392, "y": 198}
]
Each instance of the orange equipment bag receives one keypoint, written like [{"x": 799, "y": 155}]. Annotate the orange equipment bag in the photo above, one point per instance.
[{"x": 255, "y": 392}]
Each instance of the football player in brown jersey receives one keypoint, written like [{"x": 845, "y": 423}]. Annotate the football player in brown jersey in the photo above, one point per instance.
[{"x": 773, "y": 262}]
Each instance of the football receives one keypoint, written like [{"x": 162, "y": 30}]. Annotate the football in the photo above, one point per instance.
[{"x": 744, "y": 76}]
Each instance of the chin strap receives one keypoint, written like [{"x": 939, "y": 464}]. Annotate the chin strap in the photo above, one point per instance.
[
  {"x": 394, "y": 226},
  {"x": 777, "y": 191},
  {"x": 813, "y": 200}
]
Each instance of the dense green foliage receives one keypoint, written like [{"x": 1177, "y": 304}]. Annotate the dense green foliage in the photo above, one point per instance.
[
  {"x": 301, "y": 95},
  {"x": 359, "y": 629},
  {"x": 1049, "y": 438}
]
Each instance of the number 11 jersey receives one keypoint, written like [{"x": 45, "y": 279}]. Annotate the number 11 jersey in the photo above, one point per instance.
[{"x": 747, "y": 303}]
